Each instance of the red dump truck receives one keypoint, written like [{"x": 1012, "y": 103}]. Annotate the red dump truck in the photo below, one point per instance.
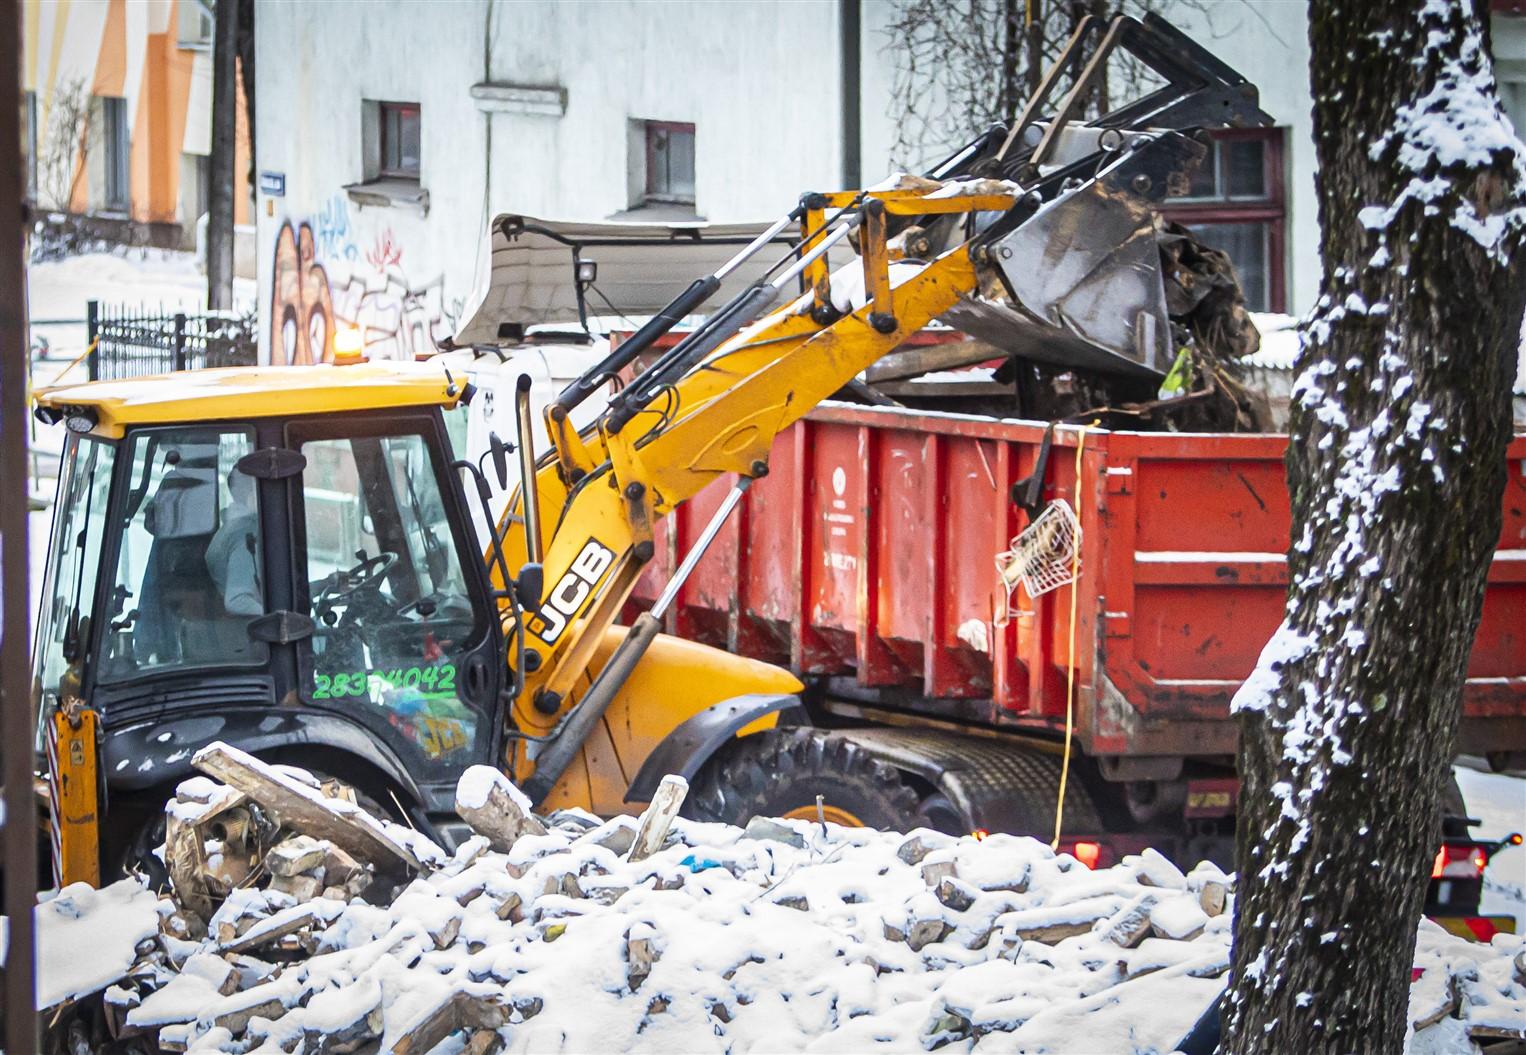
[{"x": 866, "y": 562}]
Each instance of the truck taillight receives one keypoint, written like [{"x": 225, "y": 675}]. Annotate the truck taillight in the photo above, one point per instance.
[
  {"x": 1088, "y": 854},
  {"x": 1463, "y": 861}
]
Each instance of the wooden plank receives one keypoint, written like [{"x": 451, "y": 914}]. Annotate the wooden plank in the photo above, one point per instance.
[
  {"x": 485, "y": 799},
  {"x": 459, "y": 1010},
  {"x": 946, "y": 389},
  {"x": 658, "y": 817},
  {"x": 305, "y": 809},
  {"x": 911, "y": 362}
]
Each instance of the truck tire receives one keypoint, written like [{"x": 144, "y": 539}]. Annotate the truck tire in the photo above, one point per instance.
[{"x": 780, "y": 772}]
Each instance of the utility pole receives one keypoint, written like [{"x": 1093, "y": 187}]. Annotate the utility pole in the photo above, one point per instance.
[
  {"x": 224, "y": 144},
  {"x": 18, "y": 838}
]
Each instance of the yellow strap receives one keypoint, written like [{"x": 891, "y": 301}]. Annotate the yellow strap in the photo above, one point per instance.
[
  {"x": 1070, "y": 664},
  {"x": 77, "y": 359}
]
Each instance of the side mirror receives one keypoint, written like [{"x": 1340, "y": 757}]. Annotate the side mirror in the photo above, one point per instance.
[
  {"x": 500, "y": 453},
  {"x": 529, "y": 585}
]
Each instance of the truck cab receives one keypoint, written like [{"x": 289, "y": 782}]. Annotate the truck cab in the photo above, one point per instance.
[{"x": 281, "y": 557}]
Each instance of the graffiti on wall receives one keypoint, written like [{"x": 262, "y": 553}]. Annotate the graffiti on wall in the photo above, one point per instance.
[{"x": 323, "y": 283}]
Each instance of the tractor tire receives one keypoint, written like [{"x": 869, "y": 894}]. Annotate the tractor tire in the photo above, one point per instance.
[
  {"x": 780, "y": 772},
  {"x": 133, "y": 830}
]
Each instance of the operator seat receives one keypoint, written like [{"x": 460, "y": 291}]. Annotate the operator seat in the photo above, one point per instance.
[{"x": 178, "y": 600}]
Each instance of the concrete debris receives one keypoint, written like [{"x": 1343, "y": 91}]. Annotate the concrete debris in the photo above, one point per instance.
[
  {"x": 678, "y": 935},
  {"x": 489, "y": 802}
]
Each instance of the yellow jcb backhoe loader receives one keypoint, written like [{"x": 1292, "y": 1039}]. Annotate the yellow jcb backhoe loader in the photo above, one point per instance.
[{"x": 283, "y": 558}]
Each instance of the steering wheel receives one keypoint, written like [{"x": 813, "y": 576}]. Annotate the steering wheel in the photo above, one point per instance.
[{"x": 342, "y": 586}]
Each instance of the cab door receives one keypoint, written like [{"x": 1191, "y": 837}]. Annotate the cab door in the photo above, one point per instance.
[{"x": 404, "y": 641}]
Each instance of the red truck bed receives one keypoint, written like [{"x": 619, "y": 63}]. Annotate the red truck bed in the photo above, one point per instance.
[{"x": 868, "y": 554}]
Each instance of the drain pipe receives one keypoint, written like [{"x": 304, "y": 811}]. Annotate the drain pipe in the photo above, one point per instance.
[
  {"x": 849, "y": 31},
  {"x": 553, "y": 762}
]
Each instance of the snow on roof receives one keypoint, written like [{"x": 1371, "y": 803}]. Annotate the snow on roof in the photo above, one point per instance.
[
  {"x": 1279, "y": 341},
  {"x": 256, "y": 391},
  {"x": 1280, "y": 344}
]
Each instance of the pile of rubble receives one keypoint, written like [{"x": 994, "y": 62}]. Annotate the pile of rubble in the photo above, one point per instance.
[{"x": 295, "y": 921}]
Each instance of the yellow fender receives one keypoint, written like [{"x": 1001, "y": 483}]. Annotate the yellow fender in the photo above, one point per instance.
[{"x": 675, "y": 680}]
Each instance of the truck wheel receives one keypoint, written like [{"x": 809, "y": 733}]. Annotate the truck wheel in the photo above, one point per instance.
[{"x": 780, "y": 772}]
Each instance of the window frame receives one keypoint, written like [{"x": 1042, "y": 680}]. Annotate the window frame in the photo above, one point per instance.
[
  {"x": 122, "y": 491},
  {"x": 651, "y": 193},
  {"x": 1270, "y": 209},
  {"x": 384, "y": 168}
]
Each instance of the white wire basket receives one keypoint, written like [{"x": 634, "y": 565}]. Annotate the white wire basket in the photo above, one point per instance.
[{"x": 1043, "y": 555}]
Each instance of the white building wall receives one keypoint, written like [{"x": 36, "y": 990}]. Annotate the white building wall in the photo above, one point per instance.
[{"x": 758, "y": 80}]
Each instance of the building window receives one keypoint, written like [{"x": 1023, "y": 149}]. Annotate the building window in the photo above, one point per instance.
[
  {"x": 399, "y": 140},
  {"x": 670, "y": 162},
  {"x": 116, "y": 196},
  {"x": 1236, "y": 203}
]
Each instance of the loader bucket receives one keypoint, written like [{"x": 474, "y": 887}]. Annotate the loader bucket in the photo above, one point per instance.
[{"x": 1083, "y": 275}]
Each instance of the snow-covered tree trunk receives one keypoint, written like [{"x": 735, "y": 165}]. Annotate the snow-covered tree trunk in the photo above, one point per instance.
[{"x": 1396, "y": 468}]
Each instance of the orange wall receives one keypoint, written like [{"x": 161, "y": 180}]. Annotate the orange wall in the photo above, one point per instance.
[{"x": 163, "y": 101}]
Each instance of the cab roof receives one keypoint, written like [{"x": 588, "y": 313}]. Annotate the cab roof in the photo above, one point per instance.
[{"x": 246, "y": 392}]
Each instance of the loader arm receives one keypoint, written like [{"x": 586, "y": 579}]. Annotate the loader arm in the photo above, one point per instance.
[
  {"x": 1070, "y": 249},
  {"x": 719, "y": 418}
]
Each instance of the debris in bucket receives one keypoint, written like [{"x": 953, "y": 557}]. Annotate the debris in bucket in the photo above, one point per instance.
[{"x": 314, "y": 926}]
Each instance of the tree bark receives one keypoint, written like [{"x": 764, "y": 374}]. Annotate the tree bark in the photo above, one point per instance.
[
  {"x": 224, "y": 145},
  {"x": 1396, "y": 468}
]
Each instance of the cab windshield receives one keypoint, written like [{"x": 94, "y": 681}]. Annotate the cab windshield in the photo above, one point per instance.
[{"x": 68, "y": 591}]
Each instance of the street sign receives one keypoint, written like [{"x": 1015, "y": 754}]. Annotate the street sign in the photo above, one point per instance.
[{"x": 273, "y": 184}]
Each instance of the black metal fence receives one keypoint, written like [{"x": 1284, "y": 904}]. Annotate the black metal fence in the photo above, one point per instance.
[{"x": 131, "y": 343}]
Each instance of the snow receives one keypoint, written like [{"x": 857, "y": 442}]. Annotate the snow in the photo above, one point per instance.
[
  {"x": 151, "y": 279},
  {"x": 1286, "y": 646},
  {"x": 976, "y": 634},
  {"x": 477, "y": 783},
  {"x": 757, "y": 945},
  {"x": 1280, "y": 342},
  {"x": 86, "y": 939},
  {"x": 847, "y": 282}
]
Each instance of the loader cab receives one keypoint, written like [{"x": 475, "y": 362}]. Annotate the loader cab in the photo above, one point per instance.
[{"x": 276, "y": 557}]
